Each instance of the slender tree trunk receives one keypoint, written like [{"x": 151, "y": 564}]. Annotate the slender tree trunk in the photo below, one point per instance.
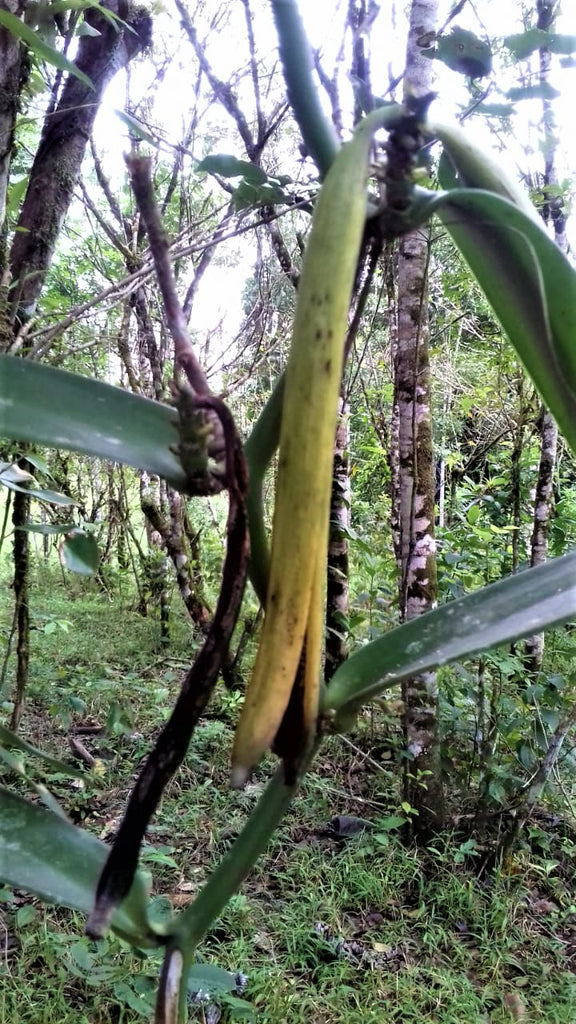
[
  {"x": 20, "y": 513},
  {"x": 14, "y": 70},
  {"x": 553, "y": 212},
  {"x": 534, "y": 645},
  {"x": 518, "y": 432},
  {"x": 416, "y": 549},
  {"x": 57, "y": 162},
  {"x": 337, "y": 584},
  {"x": 55, "y": 171}
]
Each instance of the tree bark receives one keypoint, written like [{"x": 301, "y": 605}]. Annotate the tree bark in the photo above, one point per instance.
[
  {"x": 337, "y": 582},
  {"x": 553, "y": 212},
  {"x": 534, "y": 645},
  {"x": 416, "y": 549},
  {"x": 20, "y": 514},
  {"x": 59, "y": 156},
  {"x": 14, "y": 69},
  {"x": 54, "y": 173}
]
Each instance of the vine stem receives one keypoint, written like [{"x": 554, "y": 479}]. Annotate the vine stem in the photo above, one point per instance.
[{"x": 191, "y": 925}]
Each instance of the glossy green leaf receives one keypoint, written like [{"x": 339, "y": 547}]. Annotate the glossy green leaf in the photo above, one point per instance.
[
  {"x": 39, "y": 463},
  {"x": 500, "y": 110},
  {"x": 538, "y": 91},
  {"x": 13, "y": 476},
  {"x": 231, "y": 167},
  {"x": 530, "y": 285},
  {"x": 61, "y": 410},
  {"x": 248, "y": 194},
  {"x": 84, "y": 29},
  {"x": 137, "y": 128},
  {"x": 16, "y": 193},
  {"x": 464, "y": 52},
  {"x": 45, "y": 855},
  {"x": 523, "y": 44},
  {"x": 79, "y": 553},
  {"x": 40, "y": 48},
  {"x": 17, "y": 479},
  {"x": 10, "y": 740},
  {"x": 515, "y": 607},
  {"x": 211, "y": 978},
  {"x": 47, "y": 529},
  {"x": 51, "y": 497}
]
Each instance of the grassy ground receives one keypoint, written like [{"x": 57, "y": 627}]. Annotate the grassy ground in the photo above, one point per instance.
[{"x": 328, "y": 930}]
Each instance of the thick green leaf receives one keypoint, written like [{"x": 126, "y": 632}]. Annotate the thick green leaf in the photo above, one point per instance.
[
  {"x": 494, "y": 110},
  {"x": 12, "y": 476},
  {"x": 60, "y": 410},
  {"x": 539, "y": 91},
  {"x": 524, "y": 44},
  {"x": 17, "y": 479},
  {"x": 47, "y": 856},
  {"x": 39, "y": 463},
  {"x": 79, "y": 553},
  {"x": 513, "y": 608},
  {"x": 137, "y": 128},
  {"x": 530, "y": 285},
  {"x": 10, "y": 740},
  {"x": 16, "y": 194},
  {"x": 231, "y": 167},
  {"x": 84, "y": 29},
  {"x": 47, "y": 529},
  {"x": 51, "y": 497},
  {"x": 464, "y": 52},
  {"x": 249, "y": 195},
  {"x": 39, "y": 47},
  {"x": 211, "y": 978}
]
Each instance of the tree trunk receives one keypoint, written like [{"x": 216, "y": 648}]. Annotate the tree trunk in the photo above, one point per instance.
[
  {"x": 337, "y": 583},
  {"x": 54, "y": 174},
  {"x": 14, "y": 69},
  {"x": 20, "y": 513},
  {"x": 553, "y": 212},
  {"x": 59, "y": 156},
  {"x": 414, "y": 516},
  {"x": 534, "y": 645}
]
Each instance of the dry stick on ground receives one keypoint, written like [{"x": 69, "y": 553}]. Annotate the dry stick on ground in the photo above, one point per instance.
[{"x": 172, "y": 743}]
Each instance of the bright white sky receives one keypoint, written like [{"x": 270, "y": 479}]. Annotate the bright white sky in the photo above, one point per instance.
[{"x": 219, "y": 302}]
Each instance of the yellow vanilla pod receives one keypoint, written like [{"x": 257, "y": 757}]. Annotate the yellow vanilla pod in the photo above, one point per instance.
[
  {"x": 313, "y": 652},
  {"x": 297, "y": 730},
  {"x": 301, "y": 512}
]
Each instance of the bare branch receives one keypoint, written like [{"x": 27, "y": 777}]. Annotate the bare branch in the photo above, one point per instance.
[{"x": 139, "y": 168}]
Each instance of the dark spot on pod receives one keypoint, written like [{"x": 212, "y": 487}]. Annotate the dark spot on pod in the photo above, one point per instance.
[
  {"x": 272, "y": 597},
  {"x": 329, "y": 333},
  {"x": 328, "y": 366},
  {"x": 318, "y": 334}
]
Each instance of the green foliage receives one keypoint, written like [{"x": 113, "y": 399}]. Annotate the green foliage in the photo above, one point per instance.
[
  {"x": 529, "y": 283},
  {"x": 464, "y": 52},
  {"x": 73, "y": 412},
  {"x": 39, "y": 46},
  {"x": 523, "y": 44},
  {"x": 514, "y": 607},
  {"x": 79, "y": 553},
  {"x": 47, "y": 856}
]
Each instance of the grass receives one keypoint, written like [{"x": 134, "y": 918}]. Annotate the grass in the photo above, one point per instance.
[{"x": 326, "y": 930}]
